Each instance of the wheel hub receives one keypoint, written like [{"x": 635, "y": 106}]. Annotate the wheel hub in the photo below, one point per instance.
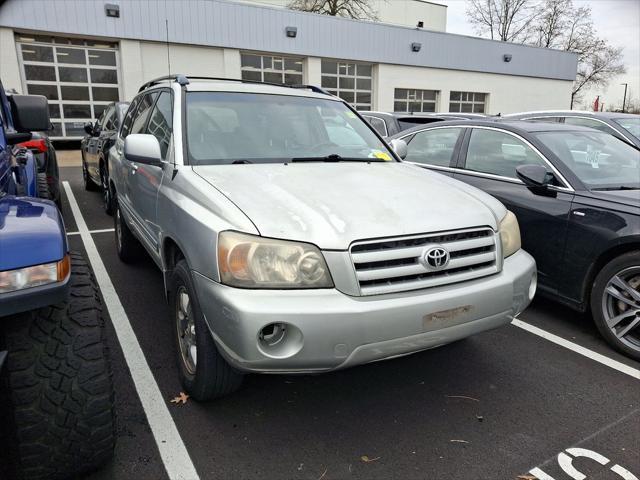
[
  {"x": 621, "y": 306},
  {"x": 186, "y": 330}
]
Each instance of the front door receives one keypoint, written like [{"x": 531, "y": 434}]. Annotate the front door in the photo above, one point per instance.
[{"x": 488, "y": 161}]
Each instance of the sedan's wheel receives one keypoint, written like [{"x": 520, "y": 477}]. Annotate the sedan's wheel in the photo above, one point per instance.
[
  {"x": 615, "y": 303},
  {"x": 106, "y": 191},
  {"x": 204, "y": 373}
]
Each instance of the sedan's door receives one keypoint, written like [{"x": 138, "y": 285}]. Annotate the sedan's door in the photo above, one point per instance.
[
  {"x": 436, "y": 148},
  {"x": 92, "y": 145},
  {"x": 146, "y": 179},
  {"x": 488, "y": 161}
]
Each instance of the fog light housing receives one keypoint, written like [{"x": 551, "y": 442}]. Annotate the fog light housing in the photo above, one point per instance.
[{"x": 279, "y": 340}]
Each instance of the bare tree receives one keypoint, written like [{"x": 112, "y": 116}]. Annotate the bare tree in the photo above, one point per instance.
[
  {"x": 358, "y": 9},
  {"x": 557, "y": 24},
  {"x": 505, "y": 20}
]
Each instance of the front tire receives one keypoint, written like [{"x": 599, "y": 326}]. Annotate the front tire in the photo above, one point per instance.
[
  {"x": 58, "y": 404},
  {"x": 127, "y": 245},
  {"x": 615, "y": 303},
  {"x": 204, "y": 373}
]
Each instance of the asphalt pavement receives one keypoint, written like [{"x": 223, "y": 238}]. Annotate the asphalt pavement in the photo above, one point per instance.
[{"x": 498, "y": 405}]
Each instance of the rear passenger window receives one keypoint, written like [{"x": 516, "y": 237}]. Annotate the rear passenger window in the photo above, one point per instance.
[
  {"x": 377, "y": 124},
  {"x": 433, "y": 147},
  {"x": 499, "y": 153},
  {"x": 161, "y": 122}
]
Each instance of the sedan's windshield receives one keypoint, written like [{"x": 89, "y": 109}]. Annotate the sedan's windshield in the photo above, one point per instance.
[
  {"x": 630, "y": 124},
  {"x": 241, "y": 128},
  {"x": 599, "y": 160}
]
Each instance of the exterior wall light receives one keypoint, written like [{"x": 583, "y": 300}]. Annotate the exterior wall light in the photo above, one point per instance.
[
  {"x": 415, "y": 47},
  {"x": 507, "y": 57},
  {"x": 292, "y": 32},
  {"x": 112, "y": 10}
]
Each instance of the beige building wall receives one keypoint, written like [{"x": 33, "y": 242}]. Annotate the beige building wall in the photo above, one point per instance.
[{"x": 9, "y": 68}]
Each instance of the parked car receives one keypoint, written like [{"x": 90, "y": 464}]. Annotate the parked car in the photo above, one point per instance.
[
  {"x": 56, "y": 392},
  {"x": 625, "y": 126},
  {"x": 389, "y": 124},
  {"x": 45, "y": 154},
  {"x": 95, "y": 147},
  {"x": 576, "y": 194},
  {"x": 290, "y": 246}
]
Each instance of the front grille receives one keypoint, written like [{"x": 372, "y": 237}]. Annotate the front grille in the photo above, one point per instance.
[{"x": 397, "y": 265}]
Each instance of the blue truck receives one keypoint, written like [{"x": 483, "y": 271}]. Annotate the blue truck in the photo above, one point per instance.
[{"x": 56, "y": 391}]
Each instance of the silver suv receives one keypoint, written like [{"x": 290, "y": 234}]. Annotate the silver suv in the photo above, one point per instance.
[{"x": 293, "y": 240}]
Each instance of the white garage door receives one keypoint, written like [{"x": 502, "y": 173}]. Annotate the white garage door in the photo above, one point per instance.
[{"x": 79, "y": 77}]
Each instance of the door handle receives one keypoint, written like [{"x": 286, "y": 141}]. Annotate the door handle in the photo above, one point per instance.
[{"x": 134, "y": 168}]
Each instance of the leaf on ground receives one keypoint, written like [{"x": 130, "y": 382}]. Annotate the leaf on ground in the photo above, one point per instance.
[
  {"x": 458, "y": 441},
  {"x": 463, "y": 397},
  {"x": 526, "y": 477},
  {"x": 181, "y": 399},
  {"x": 366, "y": 459}
]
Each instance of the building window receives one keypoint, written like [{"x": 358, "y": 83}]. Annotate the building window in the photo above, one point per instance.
[
  {"x": 467, "y": 102},
  {"x": 350, "y": 81},
  {"x": 414, "y": 101},
  {"x": 267, "y": 68},
  {"x": 78, "y": 77}
]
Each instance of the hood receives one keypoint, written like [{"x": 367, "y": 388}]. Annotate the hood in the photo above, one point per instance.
[{"x": 333, "y": 204}]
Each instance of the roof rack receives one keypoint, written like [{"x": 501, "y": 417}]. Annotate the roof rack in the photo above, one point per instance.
[{"x": 184, "y": 80}]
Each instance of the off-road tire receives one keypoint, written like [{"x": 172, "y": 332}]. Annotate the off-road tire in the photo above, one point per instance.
[
  {"x": 127, "y": 245},
  {"x": 43, "y": 187},
  {"x": 214, "y": 377},
  {"x": 56, "y": 390}
]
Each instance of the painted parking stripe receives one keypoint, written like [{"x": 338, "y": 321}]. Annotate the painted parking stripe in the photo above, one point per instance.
[
  {"x": 173, "y": 452},
  {"x": 595, "y": 356},
  {"x": 101, "y": 230}
]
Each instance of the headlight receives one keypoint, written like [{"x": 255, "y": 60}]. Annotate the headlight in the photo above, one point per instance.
[
  {"x": 509, "y": 234},
  {"x": 22, "y": 278},
  {"x": 255, "y": 262}
]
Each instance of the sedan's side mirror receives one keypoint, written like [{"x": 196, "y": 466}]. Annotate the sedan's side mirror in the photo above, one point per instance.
[
  {"x": 88, "y": 127},
  {"x": 142, "y": 148},
  {"x": 535, "y": 177},
  {"x": 400, "y": 147}
]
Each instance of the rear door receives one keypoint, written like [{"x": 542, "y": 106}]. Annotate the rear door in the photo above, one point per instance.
[
  {"x": 488, "y": 161},
  {"x": 436, "y": 148}
]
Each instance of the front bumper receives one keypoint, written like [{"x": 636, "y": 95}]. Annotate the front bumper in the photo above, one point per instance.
[
  {"x": 32, "y": 298},
  {"x": 331, "y": 330}
]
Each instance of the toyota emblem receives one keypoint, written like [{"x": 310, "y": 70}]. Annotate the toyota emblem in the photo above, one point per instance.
[{"x": 436, "y": 258}]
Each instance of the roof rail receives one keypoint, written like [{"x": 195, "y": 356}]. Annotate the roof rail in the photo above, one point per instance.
[
  {"x": 177, "y": 77},
  {"x": 184, "y": 80}
]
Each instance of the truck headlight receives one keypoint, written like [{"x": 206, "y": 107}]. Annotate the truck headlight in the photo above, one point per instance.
[
  {"x": 509, "y": 234},
  {"x": 22, "y": 278},
  {"x": 251, "y": 261}
]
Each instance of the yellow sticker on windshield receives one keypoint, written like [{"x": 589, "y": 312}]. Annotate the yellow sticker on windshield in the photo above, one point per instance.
[{"x": 382, "y": 156}]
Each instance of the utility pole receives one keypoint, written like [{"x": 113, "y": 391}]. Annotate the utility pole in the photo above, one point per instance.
[{"x": 624, "y": 99}]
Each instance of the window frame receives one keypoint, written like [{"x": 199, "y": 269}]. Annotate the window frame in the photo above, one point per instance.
[
  {"x": 455, "y": 154},
  {"x": 262, "y": 70},
  {"x": 473, "y": 102},
  {"x": 355, "y": 77},
  {"x": 422, "y": 101}
]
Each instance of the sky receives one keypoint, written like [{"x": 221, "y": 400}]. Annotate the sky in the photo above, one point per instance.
[{"x": 618, "y": 21}]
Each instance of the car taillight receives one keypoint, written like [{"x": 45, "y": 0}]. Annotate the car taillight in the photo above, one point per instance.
[{"x": 39, "y": 144}]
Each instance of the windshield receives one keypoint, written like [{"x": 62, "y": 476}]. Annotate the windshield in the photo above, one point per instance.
[
  {"x": 229, "y": 127},
  {"x": 599, "y": 160},
  {"x": 630, "y": 124}
]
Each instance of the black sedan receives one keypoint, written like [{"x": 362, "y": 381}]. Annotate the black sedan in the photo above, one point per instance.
[
  {"x": 95, "y": 147},
  {"x": 576, "y": 194}
]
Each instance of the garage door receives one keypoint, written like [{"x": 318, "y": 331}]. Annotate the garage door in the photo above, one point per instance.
[{"x": 79, "y": 77}]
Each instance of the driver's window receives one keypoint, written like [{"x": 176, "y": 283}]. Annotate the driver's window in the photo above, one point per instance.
[
  {"x": 142, "y": 114},
  {"x": 499, "y": 153},
  {"x": 161, "y": 122},
  {"x": 433, "y": 147}
]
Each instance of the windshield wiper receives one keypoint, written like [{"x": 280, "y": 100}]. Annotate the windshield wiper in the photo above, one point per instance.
[
  {"x": 620, "y": 187},
  {"x": 334, "y": 157}
]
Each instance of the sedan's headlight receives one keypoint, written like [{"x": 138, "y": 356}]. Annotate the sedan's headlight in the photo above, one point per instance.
[
  {"x": 250, "y": 261},
  {"x": 510, "y": 234},
  {"x": 22, "y": 278}
]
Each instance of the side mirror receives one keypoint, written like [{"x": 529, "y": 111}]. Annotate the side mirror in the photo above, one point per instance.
[
  {"x": 400, "y": 147},
  {"x": 142, "y": 148},
  {"x": 535, "y": 177},
  {"x": 88, "y": 127},
  {"x": 30, "y": 113}
]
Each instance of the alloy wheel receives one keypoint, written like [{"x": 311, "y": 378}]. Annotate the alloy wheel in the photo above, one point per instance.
[
  {"x": 186, "y": 330},
  {"x": 621, "y": 306}
]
